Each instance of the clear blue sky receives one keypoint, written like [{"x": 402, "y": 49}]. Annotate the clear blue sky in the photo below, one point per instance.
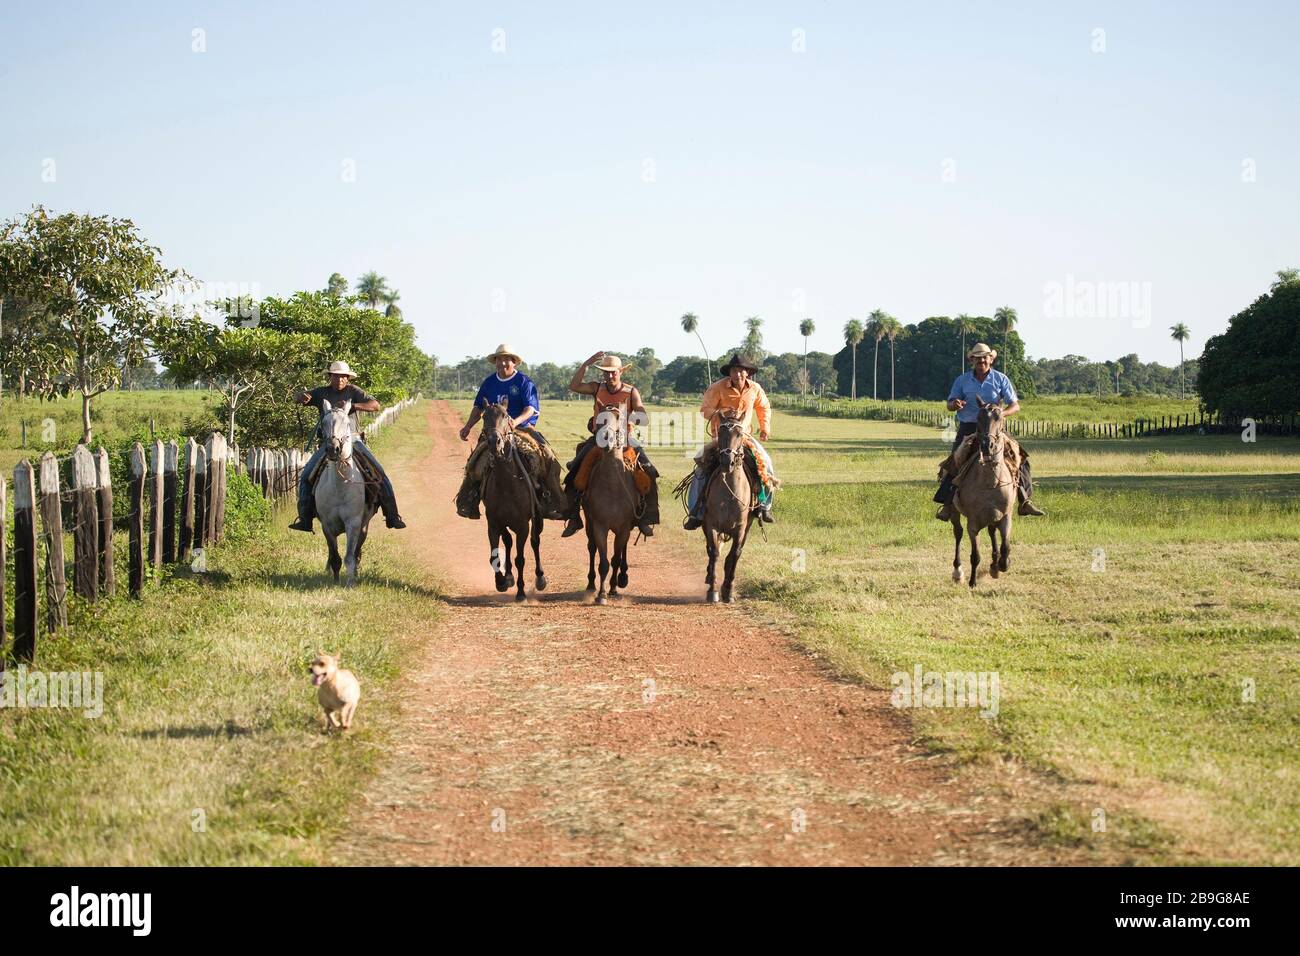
[{"x": 773, "y": 171}]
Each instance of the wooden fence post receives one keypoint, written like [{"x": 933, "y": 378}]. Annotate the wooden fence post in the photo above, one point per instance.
[
  {"x": 85, "y": 527},
  {"x": 4, "y": 617},
  {"x": 135, "y": 523},
  {"x": 169, "y": 503},
  {"x": 156, "y": 504},
  {"x": 25, "y": 601},
  {"x": 187, "y": 503},
  {"x": 104, "y": 481},
  {"x": 56, "y": 585},
  {"x": 200, "y": 498},
  {"x": 214, "y": 504}
]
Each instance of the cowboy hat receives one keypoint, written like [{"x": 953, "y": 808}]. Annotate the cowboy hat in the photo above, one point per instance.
[
  {"x": 981, "y": 348},
  {"x": 739, "y": 360},
  {"x": 610, "y": 362},
  {"x": 340, "y": 368},
  {"x": 507, "y": 351}
]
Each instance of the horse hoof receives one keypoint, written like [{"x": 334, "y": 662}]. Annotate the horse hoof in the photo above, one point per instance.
[
  {"x": 622, "y": 579},
  {"x": 711, "y": 597},
  {"x": 730, "y": 599},
  {"x": 993, "y": 570},
  {"x": 510, "y": 580},
  {"x": 501, "y": 583},
  {"x": 591, "y": 586},
  {"x": 956, "y": 575},
  {"x": 600, "y": 599},
  {"x": 1003, "y": 564},
  {"x": 540, "y": 584},
  {"x": 520, "y": 597}
]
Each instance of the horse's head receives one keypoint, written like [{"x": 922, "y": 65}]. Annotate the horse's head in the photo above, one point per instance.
[
  {"x": 499, "y": 427},
  {"x": 989, "y": 428},
  {"x": 731, "y": 438},
  {"x": 611, "y": 430},
  {"x": 336, "y": 430}
]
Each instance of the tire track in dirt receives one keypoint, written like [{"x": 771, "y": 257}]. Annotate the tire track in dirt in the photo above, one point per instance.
[{"x": 531, "y": 734}]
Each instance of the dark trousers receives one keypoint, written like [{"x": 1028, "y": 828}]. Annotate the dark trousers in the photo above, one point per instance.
[
  {"x": 387, "y": 498},
  {"x": 1025, "y": 484}
]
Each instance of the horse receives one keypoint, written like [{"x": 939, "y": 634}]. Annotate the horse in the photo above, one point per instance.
[
  {"x": 728, "y": 506},
  {"x": 510, "y": 503},
  {"x": 340, "y": 493},
  {"x": 986, "y": 496},
  {"x": 610, "y": 503}
]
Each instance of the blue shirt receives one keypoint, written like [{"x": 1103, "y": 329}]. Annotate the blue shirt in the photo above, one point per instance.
[
  {"x": 518, "y": 391},
  {"x": 996, "y": 387}
]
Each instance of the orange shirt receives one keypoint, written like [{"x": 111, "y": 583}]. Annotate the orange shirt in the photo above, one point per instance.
[
  {"x": 622, "y": 397},
  {"x": 748, "y": 401}
]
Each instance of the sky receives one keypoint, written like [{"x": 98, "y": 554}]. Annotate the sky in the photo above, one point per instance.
[{"x": 572, "y": 177}]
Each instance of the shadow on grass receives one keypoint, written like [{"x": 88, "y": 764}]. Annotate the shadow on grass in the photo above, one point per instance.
[
  {"x": 322, "y": 581},
  {"x": 228, "y": 729}
]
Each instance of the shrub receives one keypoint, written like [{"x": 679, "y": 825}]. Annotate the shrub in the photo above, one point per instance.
[{"x": 247, "y": 512}]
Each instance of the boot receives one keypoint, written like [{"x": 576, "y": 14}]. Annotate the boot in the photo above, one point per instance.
[
  {"x": 306, "y": 511},
  {"x": 649, "y": 512},
  {"x": 391, "y": 518},
  {"x": 765, "y": 513},
  {"x": 467, "y": 499},
  {"x": 1027, "y": 507},
  {"x": 945, "y": 513},
  {"x": 692, "y": 522},
  {"x": 574, "y": 524}
]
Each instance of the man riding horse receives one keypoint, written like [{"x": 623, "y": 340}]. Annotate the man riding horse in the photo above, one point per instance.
[
  {"x": 611, "y": 390},
  {"x": 740, "y": 395},
  {"x": 981, "y": 383},
  {"x": 517, "y": 390},
  {"x": 340, "y": 390}
]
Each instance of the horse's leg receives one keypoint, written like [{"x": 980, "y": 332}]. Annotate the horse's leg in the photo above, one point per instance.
[
  {"x": 1004, "y": 527},
  {"x": 603, "y": 545},
  {"x": 956, "y": 548},
  {"x": 335, "y": 560},
  {"x": 993, "y": 543},
  {"x": 733, "y": 559},
  {"x": 540, "y": 575},
  {"x": 507, "y": 569},
  {"x": 710, "y": 575},
  {"x": 494, "y": 540},
  {"x": 618, "y": 572},
  {"x": 591, "y": 556},
  {"x": 350, "y": 556},
  {"x": 974, "y": 548}
]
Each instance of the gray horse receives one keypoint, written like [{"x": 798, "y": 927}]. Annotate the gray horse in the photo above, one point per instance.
[
  {"x": 986, "y": 495},
  {"x": 340, "y": 492},
  {"x": 728, "y": 501}
]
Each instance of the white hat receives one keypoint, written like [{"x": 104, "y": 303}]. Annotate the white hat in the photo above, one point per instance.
[
  {"x": 504, "y": 350},
  {"x": 981, "y": 348},
  {"x": 340, "y": 368}
]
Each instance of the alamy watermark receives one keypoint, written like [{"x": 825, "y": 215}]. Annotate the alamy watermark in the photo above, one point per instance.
[
  {"x": 920, "y": 688},
  {"x": 64, "y": 689},
  {"x": 1087, "y": 299}
]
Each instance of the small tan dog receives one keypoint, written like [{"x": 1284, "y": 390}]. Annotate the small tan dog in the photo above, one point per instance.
[{"x": 338, "y": 691}]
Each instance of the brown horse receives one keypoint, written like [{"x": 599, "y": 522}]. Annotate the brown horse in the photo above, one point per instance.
[
  {"x": 728, "y": 502},
  {"x": 609, "y": 504},
  {"x": 509, "y": 502},
  {"x": 986, "y": 495}
]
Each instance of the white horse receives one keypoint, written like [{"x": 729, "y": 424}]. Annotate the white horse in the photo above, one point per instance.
[{"x": 340, "y": 493}]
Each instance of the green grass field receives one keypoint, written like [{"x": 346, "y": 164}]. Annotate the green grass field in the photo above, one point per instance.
[
  {"x": 206, "y": 751},
  {"x": 1046, "y": 408}
]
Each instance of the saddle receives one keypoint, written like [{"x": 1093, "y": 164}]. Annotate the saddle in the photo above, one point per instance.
[
  {"x": 959, "y": 462},
  {"x": 754, "y": 471},
  {"x": 644, "y": 481},
  {"x": 368, "y": 474},
  {"x": 530, "y": 452}
]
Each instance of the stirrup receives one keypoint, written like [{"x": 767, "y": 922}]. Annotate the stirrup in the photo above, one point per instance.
[{"x": 692, "y": 522}]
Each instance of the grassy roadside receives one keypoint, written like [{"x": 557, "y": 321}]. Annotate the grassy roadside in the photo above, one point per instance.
[{"x": 208, "y": 751}]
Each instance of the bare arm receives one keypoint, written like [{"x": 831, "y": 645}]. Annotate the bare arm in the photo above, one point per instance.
[
  {"x": 576, "y": 384},
  {"x": 474, "y": 416},
  {"x": 1011, "y": 409},
  {"x": 523, "y": 416},
  {"x": 370, "y": 406}
]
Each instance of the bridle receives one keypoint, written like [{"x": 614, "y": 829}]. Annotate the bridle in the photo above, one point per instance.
[
  {"x": 732, "y": 456},
  {"x": 334, "y": 451}
]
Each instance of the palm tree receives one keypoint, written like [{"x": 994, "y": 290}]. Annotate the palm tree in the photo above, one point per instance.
[
  {"x": 965, "y": 326},
  {"x": 893, "y": 330},
  {"x": 372, "y": 287},
  {"x": 1006, "y": 317},
  {"x": 806, "y": 328},
  {"x": 1285, "y": 276},
  {"x": 691, "y": 323},
  {"x": 1180, "y": 334},
  {"x": 390, "y": 298},
  {"x": 853, "y": 333},
  {"x": 754, "y": 339},
  {"x": 877, "y": 332}
]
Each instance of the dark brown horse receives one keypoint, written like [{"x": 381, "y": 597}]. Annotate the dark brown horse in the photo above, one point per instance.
[
  {"x": 609, "y": 505},
  {"x": 510, "y": 503},
  {"x": 986, "y": 495},
  {"x": 728, "y": 502}
]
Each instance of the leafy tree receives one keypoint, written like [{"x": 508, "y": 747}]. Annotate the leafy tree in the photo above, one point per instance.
[
  {"x": 372, "y": 287},
  {"x": 337, "y": 286},
  {"x": 1253, "y": 368},
  {"x": 966, "y": 326},
  {"x": 1006, "y": 319},
  {"x": 1284, "y": 277},
  {"x": 1180, "y": 334},
  {"x": 806, "y": 328},
  {"x": 390, "y": 300},
  {"x": 853, "y": 333},
  {"x": 101, "y": 286},
  {"x": 691, "y": 325},
  {"x": 753, "y": 344}
]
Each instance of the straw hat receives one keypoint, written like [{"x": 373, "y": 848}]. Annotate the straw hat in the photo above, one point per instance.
[
  {"x": 981, "y": 348},
  {"x": 612, "y": 363},
  {"x": 340, "y": 368},
  {"x": 506, "y": 351}
]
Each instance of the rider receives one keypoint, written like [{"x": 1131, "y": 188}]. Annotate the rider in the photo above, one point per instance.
[
  {"x": 612, "y": 390},
  {"x": 983, "y": 381},
  {"x": 524, "y": 407},
  {"x": 340, "y": 390},
  {"x": 737, "y": 392}
]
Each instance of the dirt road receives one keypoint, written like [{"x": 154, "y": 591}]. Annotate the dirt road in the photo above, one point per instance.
[{"x": 654, "y": 730}]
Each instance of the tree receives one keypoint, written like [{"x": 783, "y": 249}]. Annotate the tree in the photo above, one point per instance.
[
  {"x": 1253, "y": 367},
  {"x": 1284, "y": 277},
  {"x": 1006, "y": 318},
  {"x": 893, "y": 330},
  {"x": 876, "y": 330},
  {"x": 102, "y": 287},
  {"x": 806, "y": 328},
  {"x": 691, "y": 324},
  {"x": 966, "y": 326},
  {"x": 1180, "y": 334},
  {"x": 337, "y": 286},
  {"x": 390, "y": 299},
  {"x": 853, "y": 333},
  {"x": 753, "y": 344},
  {"x": 372, "y": 287}
]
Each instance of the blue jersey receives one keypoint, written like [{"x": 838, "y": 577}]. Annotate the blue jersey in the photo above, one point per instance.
[
  {"x": 518, "y": 391},
  {"x": 996, "y": 387}
]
